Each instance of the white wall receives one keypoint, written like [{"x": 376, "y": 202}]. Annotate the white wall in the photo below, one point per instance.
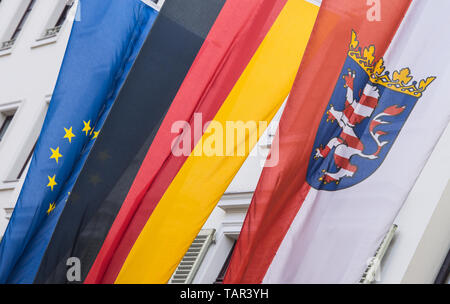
[
  {"x": 422, "y": 239},
  {"x": 28, "y": 74}
]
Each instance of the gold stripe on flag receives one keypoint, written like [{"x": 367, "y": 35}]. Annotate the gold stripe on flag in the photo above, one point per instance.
[{"x": 198, "y": 186}]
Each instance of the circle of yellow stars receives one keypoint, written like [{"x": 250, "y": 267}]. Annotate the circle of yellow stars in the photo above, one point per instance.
[{"x": 56, "y": 155}]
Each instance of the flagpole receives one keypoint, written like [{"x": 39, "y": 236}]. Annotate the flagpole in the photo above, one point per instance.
[
  {"x": 444, "y": 272},
  {"x": 374, "y": 264}
]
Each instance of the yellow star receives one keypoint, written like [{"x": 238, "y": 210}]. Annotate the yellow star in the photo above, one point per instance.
[
  {"x": 69, "y": 134},
  {"x": 87, "y": 127},
  {"x": 95, "y": 134},
  {"x": 52, "y": 182},
  {"x": 51, "y": 208},
  {"x": 55, "y": 154}
]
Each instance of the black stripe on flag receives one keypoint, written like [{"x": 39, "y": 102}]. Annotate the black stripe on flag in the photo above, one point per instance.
[{"x": 162, "y": 64}]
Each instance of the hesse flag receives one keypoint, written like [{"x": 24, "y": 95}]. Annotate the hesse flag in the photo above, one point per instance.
[
  {"x": 100, "y": 52},
  {"x": 349, "y": 154}
]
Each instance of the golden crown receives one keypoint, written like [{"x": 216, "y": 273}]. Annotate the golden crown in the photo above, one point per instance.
[{"x": 400, "y": 80}]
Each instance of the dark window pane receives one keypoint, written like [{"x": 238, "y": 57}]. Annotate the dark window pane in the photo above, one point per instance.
[
  {"x": 23, "y": 20},
  {"x": 5, "y": 125},
  {"x": 224, "y": 269},
  {"x": 63, "y": 15},
  {"x": 22, "y": 170}
]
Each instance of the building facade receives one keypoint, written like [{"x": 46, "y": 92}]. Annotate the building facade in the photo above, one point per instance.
[{"x": 33, "y": 38}]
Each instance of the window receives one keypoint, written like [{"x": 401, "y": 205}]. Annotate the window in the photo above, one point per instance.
[
  {"x": 57, "y": 19},
  {"x": 25, "y": 164},
  {"x": 9, "y": 41},
  {"x": 156, "y": 4},
  {"x": 186, "y": 270},
  {"x": 24, "y": 142},
  {"x": 5, "y": 124},
  {"x": 63, "y": 15},
  {"x": 224, "y": 269},
  {"x": 22, "y": 21}
]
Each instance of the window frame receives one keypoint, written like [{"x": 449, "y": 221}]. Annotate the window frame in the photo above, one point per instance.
[
  {"x": 52, "y": 30},
  {"x": 157, "y": 6},
  {"x": 6, "y": 122},
  {"x": 12, "y": 34},
  {"x": 8, "y": 110},
  {"x": 26, "y": 164},
  {"x": 223, "y": 271},
  {"x": 28, "y": 142}
]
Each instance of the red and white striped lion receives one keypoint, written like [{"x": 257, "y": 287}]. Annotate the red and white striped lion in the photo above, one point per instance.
[{"x": 348, "y": 144}]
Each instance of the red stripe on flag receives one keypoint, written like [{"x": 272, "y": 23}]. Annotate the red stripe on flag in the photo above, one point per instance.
[
  {"x": 368, "y": 101},
  {"x": 374, "y": 124},
  {"x": 352, "y": 141},
  {"x": 325, "y": 151},
  {"x": 342, "y": 162},
  {"x": 352, "y": 117},
  {"x": 282, "y": 189},
  {"x": 240, "y": 27},
  {"x": 394, "y": 110}
]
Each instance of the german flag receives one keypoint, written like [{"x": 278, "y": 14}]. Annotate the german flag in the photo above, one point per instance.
[{"x": 156, "y": 182}]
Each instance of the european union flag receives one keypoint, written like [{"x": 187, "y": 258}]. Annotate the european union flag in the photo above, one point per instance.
[{"x": 105, "y": 40}]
